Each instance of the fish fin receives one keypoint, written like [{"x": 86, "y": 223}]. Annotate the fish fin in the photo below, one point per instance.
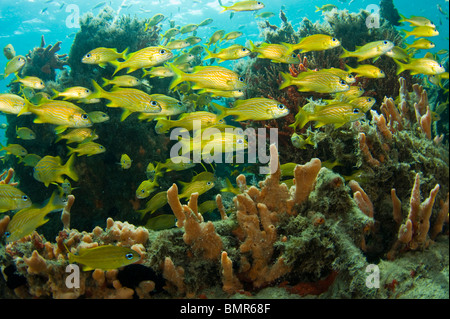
[
  {"x": 102, "y": 65},
  {"x": 319, "y": 124},
  {"x": 287, "y": 80},
  {"x": 178, "y": 78},
  {"x": 105, "y": 82},
  {"x": 125, "y": 114},
  {"x": 71, "y": 150},
  {"x": 124, "y": 54},
  {"x": 224, "y": 8},
  {"x": 222, "y": 110},
  {"x": 69, "y": 168},
  {"x": 346, "y": 54},
  {"x": 56, "y": 94},
  {"x": 162, "y": 126},
  {"x": 209, "y": 54},
  {"x": 59, "y": 129},
  {"x": 117, "y": 65},
  {"x": 349, "y": 69},
  {"x": 98, "y": 91},
  {"x": 407, "y": 33},
  {"x": 317, "y": 9},
  {"x": 401, "y": 66}
]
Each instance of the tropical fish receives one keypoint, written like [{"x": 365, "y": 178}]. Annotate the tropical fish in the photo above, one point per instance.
[
  {"x": 170, "y": 33},
  {"x": 177, "y": 44},
  {"x": 244, "y": 6},
  {"x": 352, "y": 93},
  {"x": 131, "y": 100},
  {"x": 31, "y": 82},
  {"x": 367, "y": 71},
  {"x": 229, "y": 94},
  {"x": 144, "y": 58},
  {"x": 12, "y": 198},
  {"x": 160, "y": 222},
  {"x": 193, "y": 40},
  {"x": 265, "y": 15},
  {"x": 421, "y": 43},
  {"x": 277, "y": 53},
  {"x": 212, "y": 77},
  {"x": 287, "y": 169},
  {"x": 233, "y": 52},
  {"x": 15, "y": 149},
  {"x": 30, "y": 160},
  {"x": 77, "y": 135},
  {"x": 418, "y": 32},
  {"x": 169, "y": 106},
  {"x": 188, "y": 28},
  {"x": 315, "y": 42},
  {"x": 417, "y": 21},
  {"x": 299, "y": 141},
  {"x": 61, "y": 113},
  {"x": 107, "y": 257},
  {"x": 156, "y": 202},
  {"x": 157, "y": 18},
  {"x": 122, "y": 81},
  {"x": 102, "y": 56},
  {"x": 398, "y": 54},
  {"x": 205, "y": 22},
  {"x": 25, "y": 133},
  {"x": 11, "y": 103},
  {"x": 421, "y": 66},
  {"x": 256, "y": 109},
  {"x": 326, "y": 7},
  {"x": 159, "y": 71},
  {"x": 199, "y": 187},
  {"x": 369, "y": 50},
  {"x": 187, "y": 121},
  {"x": 344, "y": 75},
  {"x": 25, "y": 221},
  {"x": 232, "y": 35},
  {"x": 336, "y": 113},
  {"x": 125, "y": 161},
  {"x": 365, "y": 103},
  {"x": 14, "y": 65},
  {"x": 87, "y": 148},
  {"x": 146, "y": 188},
  {"x": 50, "y": 169},
  {"x": 98, "y": 116},
  {"x": 315, "y": 81},
  {"x": 183, "y": 58},
  {"x": 216, "y": 36},
  {"x": 76, "y": 92},
  {"x": 9, "y": 51},
  {"x": 229, "y": 188},
  {"x": 176, "y": 163}
]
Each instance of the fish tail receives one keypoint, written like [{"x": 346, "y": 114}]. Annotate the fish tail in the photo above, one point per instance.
[
  {"x": 124, "y": 54},
  {"x": 222, "y": 111},
  {"x": 56, "y": 94},
  {"x": 69, "y": 168},
  {"x": 98, "y": 91},
  {"x": 252, "y": 46},
  {"x": 303, "y": 119},
  {"x": 105, "y": 82},
  {"x": 317, "y": 9},
  {"x": 209, "y": 54},
  {"x": 117, "y": 65},
  {"x": 407, "y": 33},
  {"x": 179, "y": 76},
  {"x": 162, "y": 126},
  {"x": 401, "y": 66},
  {"x": 402, "y": 18},
  {"x": 71, "y": 150},
  {"x": 287, "y": 78},
  {"x": 224, "y": 8},
  {"x": 346, "y": 54},
  {"x": 26, "y": 108},
  {"x": 349, "y": 68}
]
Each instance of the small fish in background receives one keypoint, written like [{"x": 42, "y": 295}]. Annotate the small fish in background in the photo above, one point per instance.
[
  {"x": 177, "y": 44},
  {"x": 122, "y": 81},
  {"x": 326, "y": 7},
  {"x": 77, "y": 135},
  {"x": 256, "y": 109},
  {"x": 369, "y": 50},
  {"x": 156, "y": 202},
  {"x": 398, "y": 54},
  {"x": 9, "y": 51},
  {"x": 30, "y": 160},
  {"x": 315, "y": 81},
  {"x": 160, "y": 222},
  {"x": 27, "y": 220},
  {"x": 187, "y": 121},
  {"x": 315, "y": 42},
  {"x": 219, "y": 93},
  {"x": 215, "y": 37},
  {"x": 205, "y": 22},
  {"x": 367, "y": 71},
  {"x": 157, "y": 18},
  {"x": 98, "y": 116},
  {"x": 144, "y": 58},
  {"x": 12, "y": 198},
  {"x": 25, "y": 133},
  {"x": 353, "y": 93},
  {"x": 125, "y": 161},
  {"x": 232, "y": 35},
  {"x": 417, "y": 21},
  {"x": 72, "y": 93},
  {"x": 243, "y": 6},
  {"x": 424, "y": 66},
  {"x": 65, "y": 189},
  {"x": 264, "y": 15},
  {"x": 107, "y": 257},
  {"x": 101, "y": 56},
  {"x": 365, "y": 103},
  {"x": 300, "y": 142},
  {"x": 233, "y": 52},
  {"x": 188, "y": 28},
  {"x": 99, "y": 5},
  {"x": 31, "y": 82},
  {"x": 277, "y": 53},
  {"x": 14, "y": 65},
  {"x": 199, "y": 187},
  {"x": 346, "y": 76},
  {"x": 87, "y": 148},
  {"x": 159, "y": 71},
  {"x": 50, "y": 169},
  {"x": 418, "y": 32},
  {"x": 14, "y": 149},
  {"x": 146, "y": 188}
]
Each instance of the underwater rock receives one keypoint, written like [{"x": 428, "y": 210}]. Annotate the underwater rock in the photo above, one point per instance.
[{"x": 389, "y": 12}]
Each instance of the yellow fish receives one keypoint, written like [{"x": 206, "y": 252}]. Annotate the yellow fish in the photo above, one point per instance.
[
  {"x": 87, "y": 148},
  {"x": 277, "y": 53},
  {"x": 176, "y": 163},
  {"x": 187, "y": 121},
  {"x": 421, "y": 66},
  {"x": 30, "y": 160},
  {"x": 230, "y": 189},
  {"x": 12, "y": 198},
  {"x": 233, "y": 52},
  {"x": 131, "y": 100},
  {"x": 153, "y": 172},
  {"x": 25, "y": 133},
  {"x": 76, "y": 92},
  {"x": 144, "y": 58},
  {"x": 244, "y": 6},
  {"x": 9, "y": 51},
  {"x": 50, "y": 169},
  {"x": 418, "y": 32},
  {"x": 398, "y": 54},
  {"x": 157, "y": 18},
  {"x": 122, "y": 81},
  {"x": 300, "y": 142},
  {"x": 107, "y": 257},
  {"x": 256, "y": 109},
  {"x": 102, "y": 56},
  {"x": 188, "y": 28},
  {"x": 77, "y": 135},
  {"x": 169, "y": 106},
  {"x": 177, "y": 45},
  {"x": 146, "y": 188},
  {"x": 421, "y": 43},
  {"x": 344, "y": 75},
  {"x": 25, "y": 221},
  {"x": 229, "y": 94},
  {"x": 98, "y": 116},
  {"x": 369, "y": 50},
  {"x": 367, "y": 71},
  {"x": 315, "y": 42},
  {"x": 31, "y": 82},
  {"x": 315, "y": 81},
  {"x": 232, "y": 35},
  {"x": 159, "y": 71},
  {"x": 216, "y": 36},
  {"x": 156, "y": 202},
  {"x": 11, "y": 103},
  {"x": 61, "y": 113},
  {"x": 160, "y": 222},
  {"x": 14, "y": 65},
  {"x": 337, "y": 113},
  {"x": 125, "y": 161},
  {"x": 365, "y": 103},
  {"x": 199, "y": 187},
  {"x": 326, "y": 7},
  {"x": 15, "y": 149},
  {"x": 208, "y": 206},
  {"x": 212, "y": 77},
  {"x": 417, "y": 21},
  {"x": 352, "y": 93}
]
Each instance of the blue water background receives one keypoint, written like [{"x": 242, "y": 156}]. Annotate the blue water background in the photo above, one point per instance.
[{"x": 22, "y": 22}]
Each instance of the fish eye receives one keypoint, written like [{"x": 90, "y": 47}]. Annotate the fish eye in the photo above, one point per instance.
[
  {"x": 180, "y": 104},
  {"x": 258, "y": 3},
  {"x": 385, "y": 42},
  {"x": 356, "y": 111},
  {"x": 244, "y": 49},
  {"x": 84, "y": 116},
  {"x": 7, "y": 234},
  {"x": 281, "y": 106},
  {"x": 240, "y": 141},
  {"x": 87, "y": 91},
  {"x": 440, "y": 65},
  {"x": 342, "y": 82},
  {"x": 162, "y": 51},
  {"x": 24, "y": 198},
  {"x": 142, "y": 190},
  {"x": 381, "y": 71},
  {"x": 241, "y": 79},
  {"x": 88, "y": 55},
  {"x": 334, "y": 39},
  {"x": 294, "y": 55},
  {"x": 154, "y": 103},
  {"x": 350, "y": 76},
  {"x": 129, "y": 256}
]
